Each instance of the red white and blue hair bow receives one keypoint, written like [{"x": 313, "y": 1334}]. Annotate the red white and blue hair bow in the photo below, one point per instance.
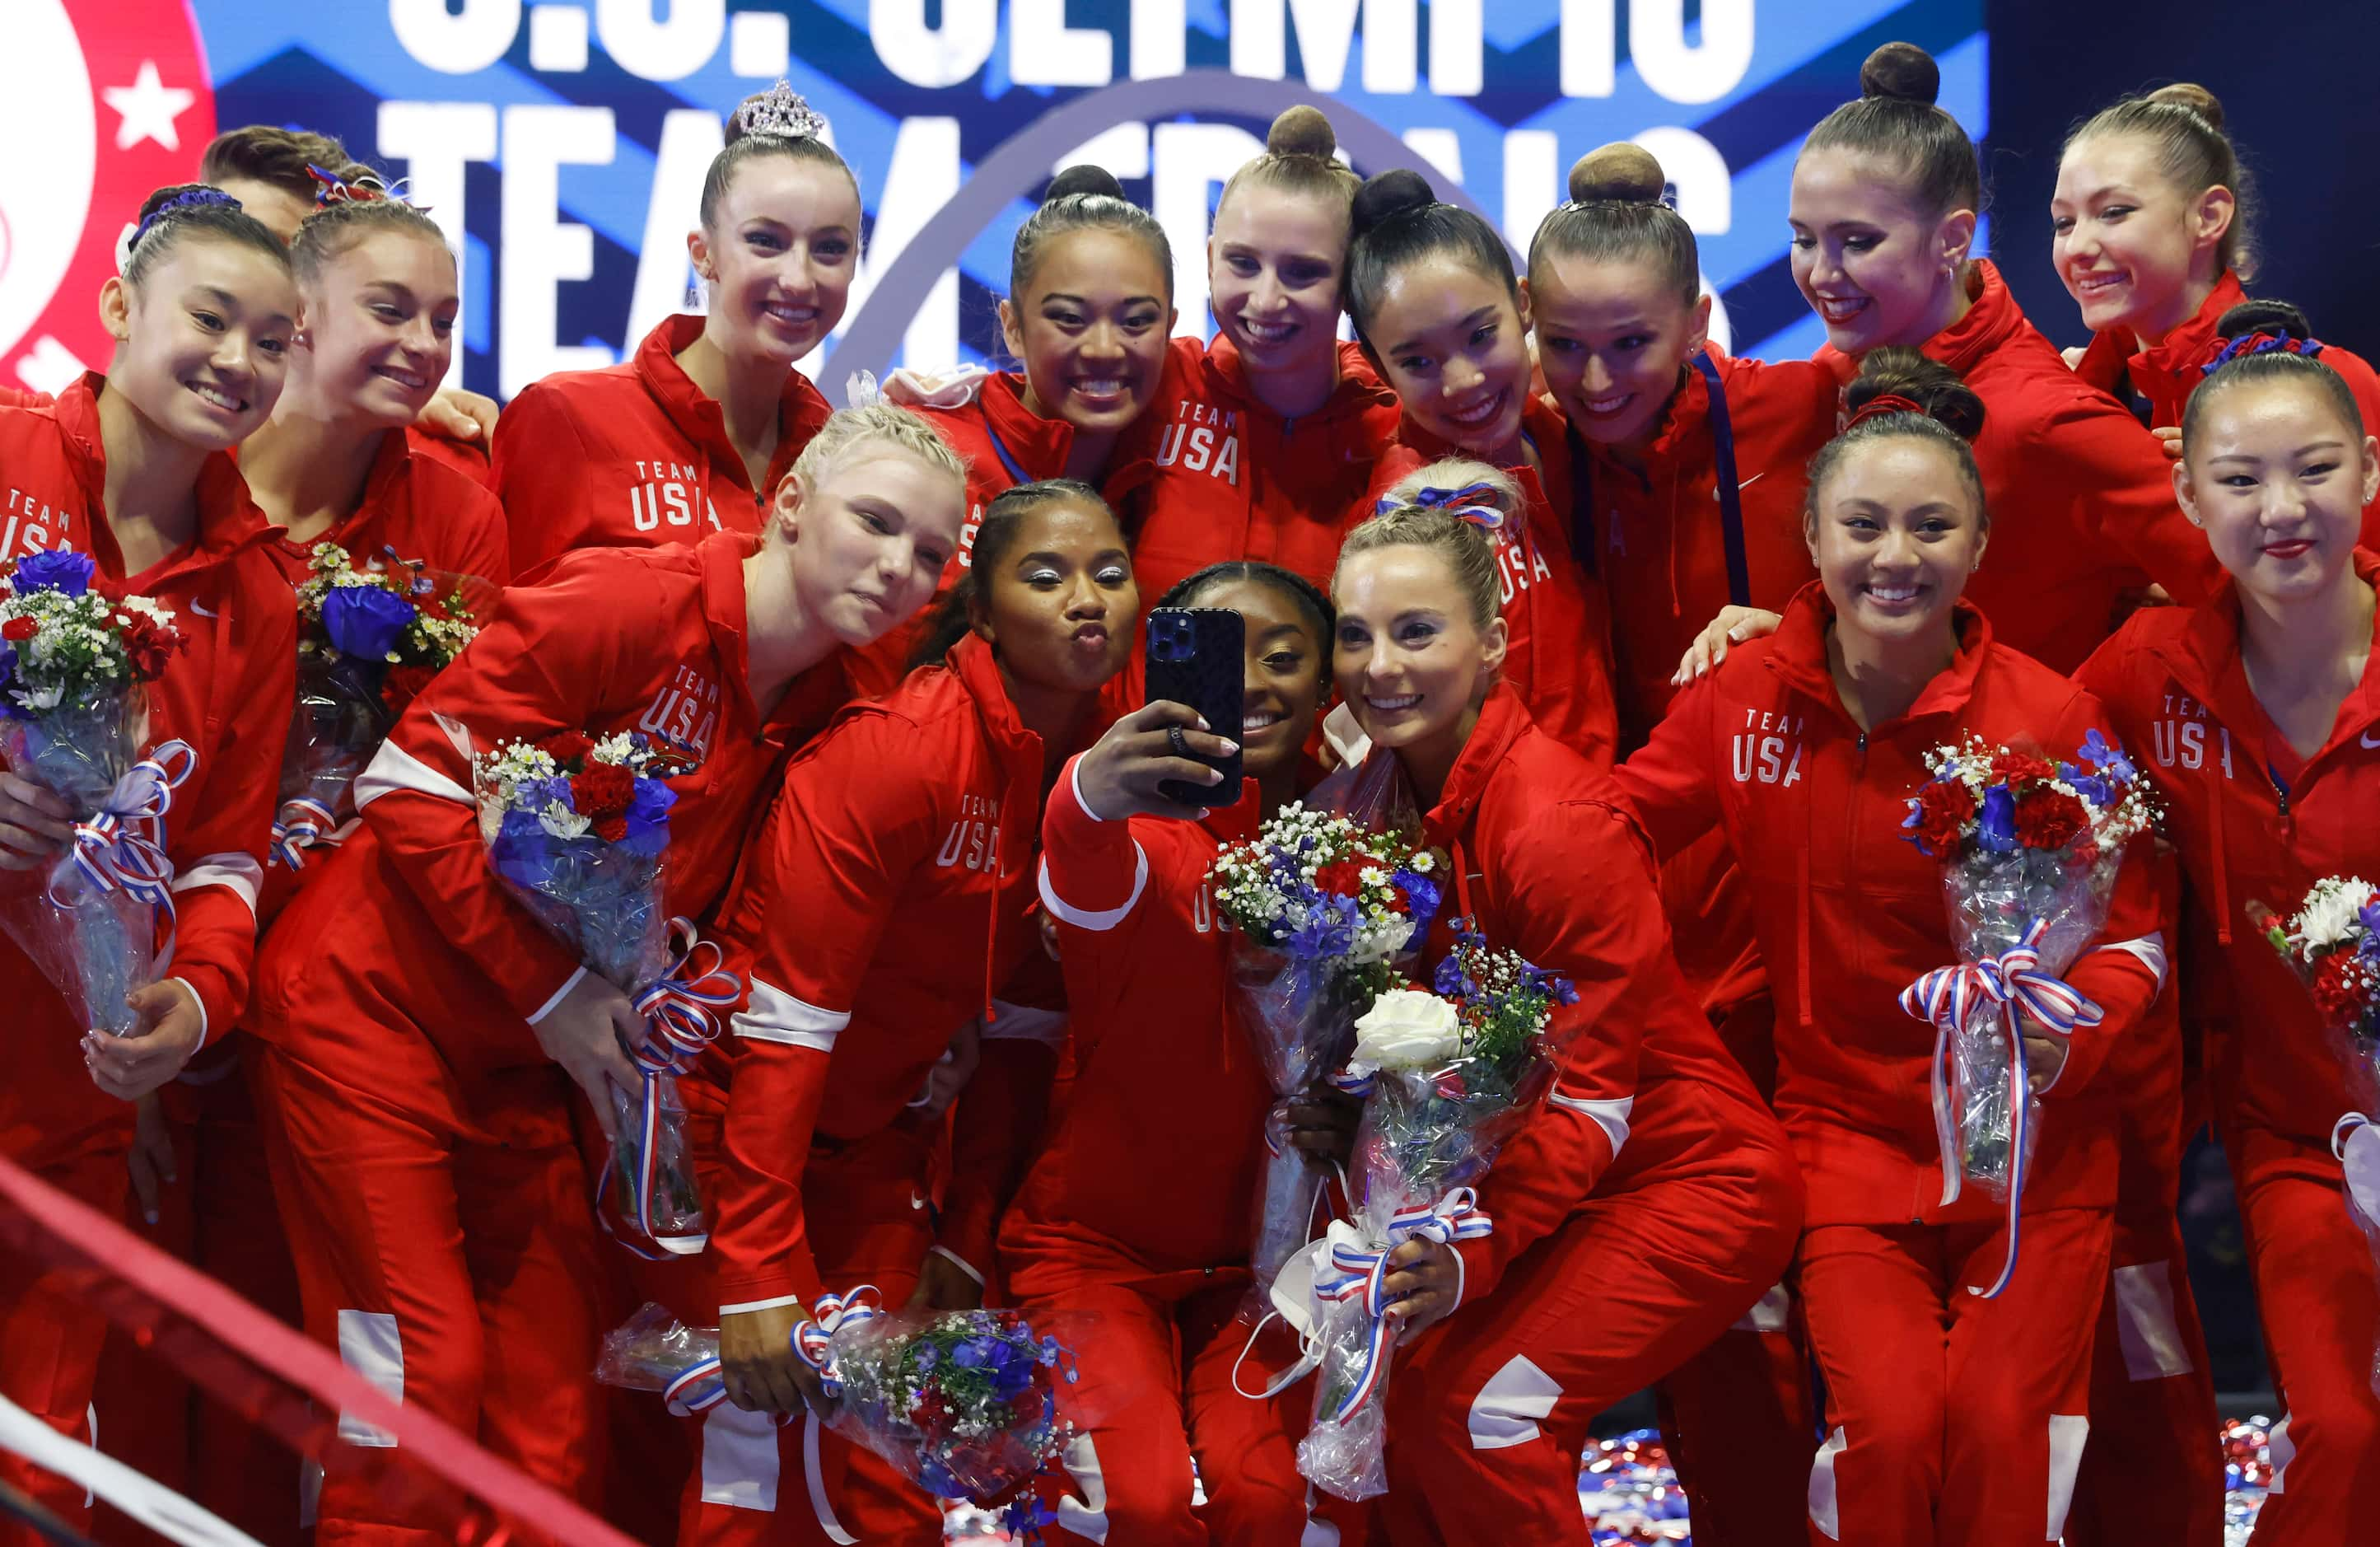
[{"x": 1475, "y": 503}]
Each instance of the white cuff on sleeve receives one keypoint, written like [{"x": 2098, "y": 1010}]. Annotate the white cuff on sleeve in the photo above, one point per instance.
[
  {"x": 957, "y": 1261},
  {"x": 558, "y": 997},
  {"x": 743, "y": 1307}
]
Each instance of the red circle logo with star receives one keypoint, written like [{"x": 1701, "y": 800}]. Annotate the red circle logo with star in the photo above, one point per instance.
[{"x": 102, "y": 102}]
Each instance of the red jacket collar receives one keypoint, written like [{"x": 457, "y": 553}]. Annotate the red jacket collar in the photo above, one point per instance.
[
  {"x": 1797, "y": 653},
  {"x": 2204, "y": 656},
  {"x": 814, "y": 696},
  {"x": 1993, "y": 318},
  {"x": 1226, "y": 371},
  {"x": 228, "y": 521},
  {"x": 1038, "y": 446},
  {"x": 2108, "y": 359},
  {"x": 800, "y": 408},
  {"x": 1503, "y": 721},
  {"x": 1684, "y": 438}
]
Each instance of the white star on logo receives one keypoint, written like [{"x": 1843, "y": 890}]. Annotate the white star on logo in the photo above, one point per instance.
[{"x": 147, "y": 109}]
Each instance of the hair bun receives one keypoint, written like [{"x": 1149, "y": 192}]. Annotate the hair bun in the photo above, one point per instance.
[
  {"x": 1388, "y": 195},
  {"x": 779, "y": 112},
  {"x": 1083, "y": 178},
  {"x": 1620, "y": 173},
  {"x": 1933, "y": 386},
  {"x": 1902, "y": 72},
  {"x": 2264, "y": 314},
  {"x": 2197, "y": 98},
  {"x": 1302, "y": 132}
]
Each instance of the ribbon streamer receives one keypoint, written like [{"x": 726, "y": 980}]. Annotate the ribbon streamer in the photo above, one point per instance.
[
  {"x": 300, "y": 824},
  {"x": 1359, "y": 1271},
  {"x": 1954, "y": 999},
  {"x": 121, "y": 846},
  {"x": 681, "y": 1009},
  {"x": 830, "y": 1313}
]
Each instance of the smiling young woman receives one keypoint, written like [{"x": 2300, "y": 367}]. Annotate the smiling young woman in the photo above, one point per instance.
[
  {"x": 2257, "y": 716},
  {"x": 1953, "y": 1418},
  {"x": 1885, "y": 199},
  {"x": 1445, "y": 321},
  {"x": 131, "y": 469},
  {"x": 693, "y": 435}
]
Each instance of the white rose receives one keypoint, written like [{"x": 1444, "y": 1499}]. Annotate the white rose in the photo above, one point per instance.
[{"x": 1405, "y": 1029}]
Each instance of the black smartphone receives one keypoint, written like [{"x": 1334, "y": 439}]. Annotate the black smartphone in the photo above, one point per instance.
[{"x": 1198, "y": 656}]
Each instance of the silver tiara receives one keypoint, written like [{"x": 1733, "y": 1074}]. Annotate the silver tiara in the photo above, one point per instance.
[{"x": 782, "y": 113}]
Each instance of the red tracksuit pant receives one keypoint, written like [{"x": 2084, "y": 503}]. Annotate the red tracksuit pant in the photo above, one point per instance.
[
  {"x": 1488, "y": 1413},
  {"x": 759, "y": 1485},
  {"x": 2315, "y": 1286},
  {"x": 453, "y": 1275},
  {"x": 1156, "y": 1357},
  {"x": 50, "y": 1341},
  {"x": 1953, "y": 1420},
  {"x": 2154, "y": 1468}
]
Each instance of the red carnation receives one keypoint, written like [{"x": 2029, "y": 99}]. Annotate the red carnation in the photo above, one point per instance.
[
  {"x": 1341, "y": 878},
  {"x": 2019, "y": 769},
  {"x": 1944, "y": 808},
  {"x": 2050, "y": 819},
  {"x": 18, "y": 628},
  {"x": 603, "y": 790},
  {"x": 2342, "y": 988},
  {"x": 568, "y": 746},
  {"x": 611, "y": 829}
]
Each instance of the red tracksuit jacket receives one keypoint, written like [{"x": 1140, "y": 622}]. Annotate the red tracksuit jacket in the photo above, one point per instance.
[
  {"x": 2081, "y": 496},
  {"x": 229, "y": 694},
  {"x": 610, "y": 641},
  {"x": 1660, "y": 540},
  {"x": 2169, "y": 371},
  {"x": 634, "y": 456},
  {"x": 2252, "y": 824},
  {"x": 1005, "y": 444},
  {"x": 887, "y": 895},
  {"x": 1236, "y": 481},
  {"x": 1557, "y": 617},
  {"x": 1154, "y": 1165},
  {"x": 419, "y": 501},
  {"x": 1850, "y": 914},
  {"x": 1553, "y": 866}
]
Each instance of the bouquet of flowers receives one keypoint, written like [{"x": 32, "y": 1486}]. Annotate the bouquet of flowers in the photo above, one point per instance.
[
  {"x": 1322, "y": 904},
  {"x": 2333, "y": 945},
  {"x": 576, "y": 827},
  {"x": 2030, "y": 851},
  {"x": 74, "y": 664},
  {"x": 965, "y": 1404},
  {"x": 1446, "y": 1077},
  {"x": 368, "y": 640}
]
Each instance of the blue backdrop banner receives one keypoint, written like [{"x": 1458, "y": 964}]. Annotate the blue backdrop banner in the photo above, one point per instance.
[{"x": 563, "y": 145}]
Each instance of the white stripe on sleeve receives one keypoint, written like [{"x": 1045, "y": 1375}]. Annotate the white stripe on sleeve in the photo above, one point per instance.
[
  {"x": 774, "y": 1015},
  {"x": 394, "y": 768},
  {"x": 2148, "y": 950},
  {"x": 1097, "y": 920},
  {"x": 234, "y": 872},
  {"x": 1611, "y": 1116}
]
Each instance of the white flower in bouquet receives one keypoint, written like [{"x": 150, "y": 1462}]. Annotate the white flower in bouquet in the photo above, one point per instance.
[
  {"x": 1405, "y": 1029},
  {"x": 2331, "y": 917}
]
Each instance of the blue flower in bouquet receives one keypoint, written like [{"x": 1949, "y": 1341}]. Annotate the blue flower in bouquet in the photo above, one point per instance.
[
  {"x": 69, "y": 574},
  {"x": 2109, "y": 760},
  {"x": 366, "y": 621},
  {"x": 1423, "y": 894},
  {"x": 1996, "y": 828},
  {"x": 1010, "y": 1367},
  {"x": 649, "y": 808},
  {"x": 1449, "y": 982},
  {"x": 1027, "y": 1518},
  {"x": 1328, "y": 929},
  {"x": 2093, "y": 787}
]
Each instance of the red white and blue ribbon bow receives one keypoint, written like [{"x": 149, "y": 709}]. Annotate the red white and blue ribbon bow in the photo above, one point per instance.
[
  {"x": 830, "y": 1313},
  {"x": 1359, "y": 1271},
  {"x": 1956, "y": 998},
  {"x": 681, "y": 1009},
  {"x": 121, "y": 846},
  {"x": 1475, "y": 503},
  {"x": 299, "y": 825}
]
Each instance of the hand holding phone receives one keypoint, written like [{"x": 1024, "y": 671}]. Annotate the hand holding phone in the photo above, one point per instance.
[{"x": 1198, "y": 657}]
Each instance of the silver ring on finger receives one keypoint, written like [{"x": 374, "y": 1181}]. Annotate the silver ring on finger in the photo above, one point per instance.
[{"x": 1174, "y": 738}]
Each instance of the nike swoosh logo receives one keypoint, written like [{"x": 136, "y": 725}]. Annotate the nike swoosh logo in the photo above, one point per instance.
[
  {"x": 916, "y": 1202},
  {"x": 1745, "y": 484},
  {"x": 2371, "y": 742},
  {"x": 203, "y": 610}
]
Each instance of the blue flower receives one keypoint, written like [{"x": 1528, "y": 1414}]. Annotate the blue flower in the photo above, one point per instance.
[
  {"x": 648, "y": 807},
  {"x": 1027, "y": 1518},
  {"x": 1996, "y": 829},
  {"x": 1422, "y": 892},
  {"x": 1449, "y": 979},
  {"x": 2094, "y": 788},
  {"x": 65, "y": 573},
  {"x": 2108, "y": 760},
  {"x": 2369, "y": 917},
  {"x": 366, "y": 621}
]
